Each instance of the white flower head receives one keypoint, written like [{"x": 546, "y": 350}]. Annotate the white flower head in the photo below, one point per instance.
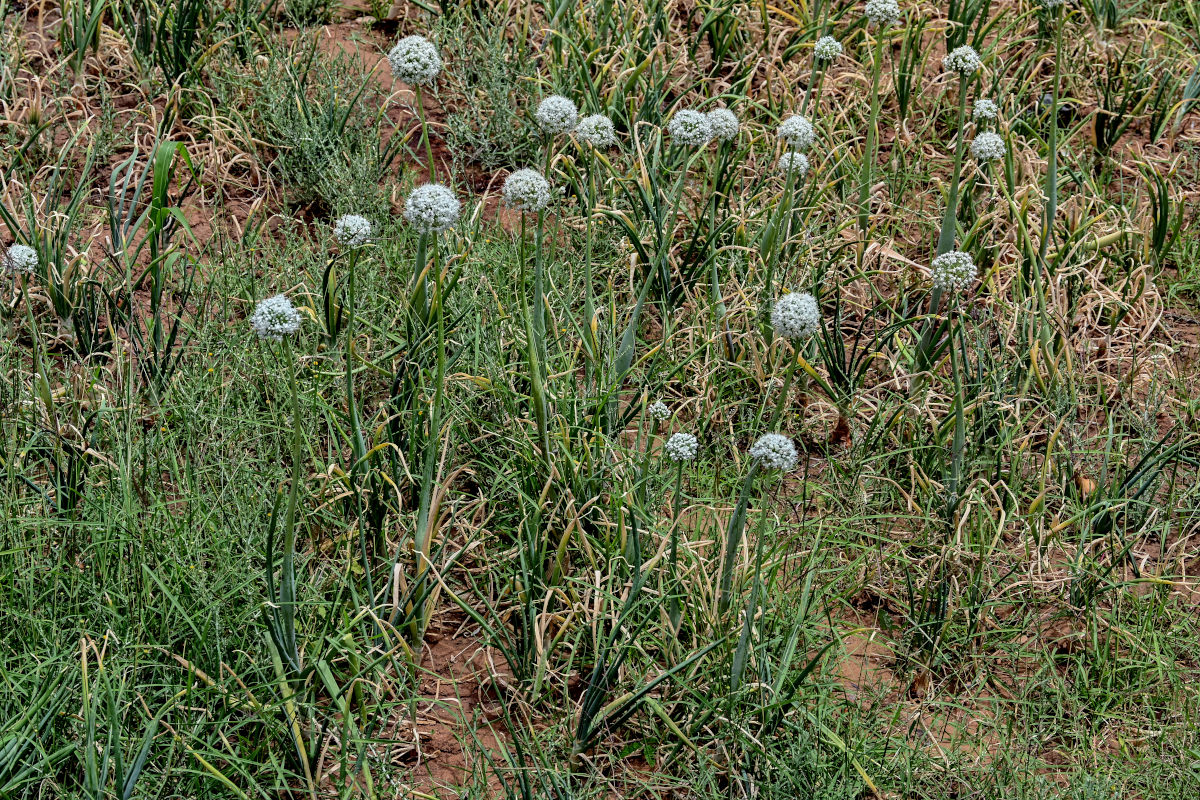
[
  {"x": 597, "y": 130},
  {"x": 963, "y": 60},
  {"x": 527, "y": 190},
  {"x": 795, "y": 163},
  {"x": 659, "y": 411},
  {"x": 352, "y": 230},
  {"x": 556, "y": 114},
  {"x": 985, "y": 110},
  {"x": 797, "y": 132},
  {"x": 988, "y": 146},
  {"x": 432, "y": 208},
  {"x": 882, "y": 13},
  {"x": 796, "y": 316},
  {"x": 827, "y": 48},
  {"x": 690, "y": 128},
  {"x": 20, "y": 258},
  {"x": 1050, "y": 5},
  {"x": 275, "y": 318},
  {"x": 415, "y": 60},
  {"x": 774, "y": 451},
  {"x": 953, "y": 271},
  {"x": 724, "y": 124},
  {"x": 681, "y": 447}
]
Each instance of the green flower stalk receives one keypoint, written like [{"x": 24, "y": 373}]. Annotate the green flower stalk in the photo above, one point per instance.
[
  {"x": 1052, "y": 157},
  {"x": 595, "y": 134},
  {"x": 415, "y": 60},
  {"x": 965, "y": 62},
  {"x": 795, "y": 317},
  {"x": 772, "y": 451},
  {"x": 689, "y": 129},
  {"x": 276, "y": 320},
  {"x": 870, "y": 152},
  {"x": 681, "y": 448},
  {"x": 528, "y": 192},
  {"x": 825, "y": 51},
  {"x": 431, "y": 209}
]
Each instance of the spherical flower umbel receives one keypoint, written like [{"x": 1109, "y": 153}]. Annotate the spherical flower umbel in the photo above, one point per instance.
[
  {"x": 659, "y": 411},
  {"x": 774, "y": 451},
  {"x": 527, "y": 190},
  {"x": 796, "y": 316},
  {"x": 984, "y": 110},
  {"x": 556, "y": 114},
  {"x": 681, "y": 447},
  {"x": 963, "y": 60},
  {"x": 724, "y": 124},
  {"x": 432, "y": 208},
  {"x": 415, "y": 60},
  {"x": 988, "y": 146},
  {"x": 953, "y": 271},
  {"x": 827, "y": 48},
  {"x": 794, "y": 163},
  {"x": 20, "y": 258},
  {"x": 1050, "y": 5},
  {"x": 352, "y": 230},
  {"x": 882, "y": 13},
  {"x": 275, "y": 318},
  {"x": 597, "y": 130},
  {"x": 690, "y": 128},
  {"x": 797, "y": 132}
]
